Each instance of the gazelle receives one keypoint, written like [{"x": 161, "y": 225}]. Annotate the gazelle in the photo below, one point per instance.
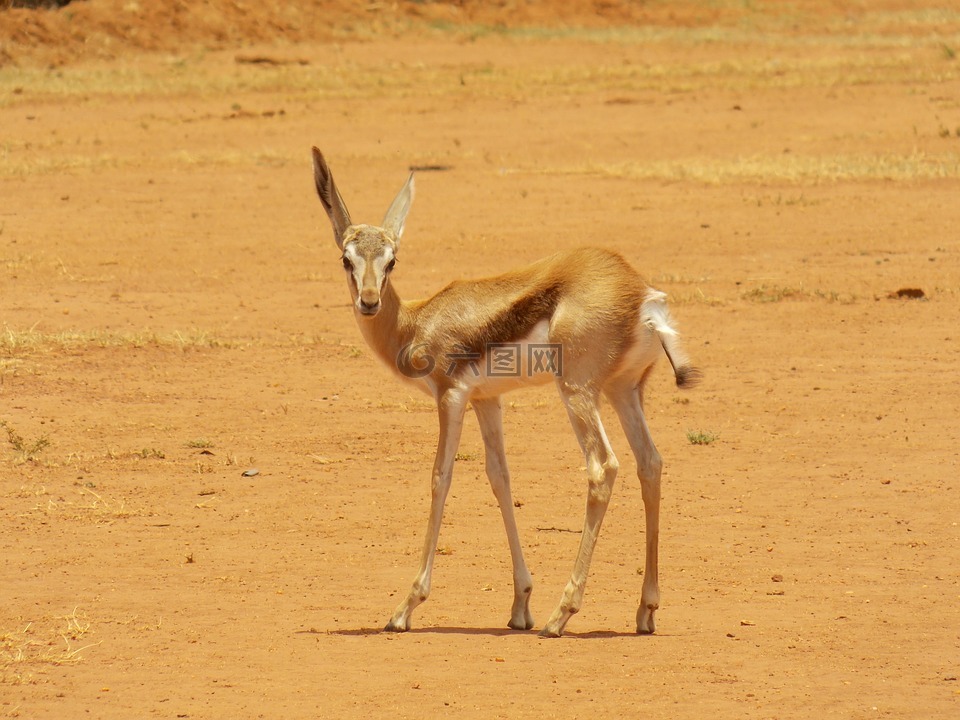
[{"x": 583, "y": 319}]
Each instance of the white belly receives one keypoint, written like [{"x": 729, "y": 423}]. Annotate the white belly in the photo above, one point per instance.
[{"x": 501, "y": 367}]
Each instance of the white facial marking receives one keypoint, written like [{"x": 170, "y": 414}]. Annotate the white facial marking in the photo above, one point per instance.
[
  {"x": 369, "y": 273},
  {"x": 381, "y": 262},
  {"x": 358, "y": 263}
]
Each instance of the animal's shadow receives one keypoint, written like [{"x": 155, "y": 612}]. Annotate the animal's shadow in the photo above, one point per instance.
[{"x": 488, "y": 632}]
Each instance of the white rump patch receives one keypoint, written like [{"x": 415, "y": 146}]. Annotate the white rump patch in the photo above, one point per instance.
[{"x": 655, "y": 314}]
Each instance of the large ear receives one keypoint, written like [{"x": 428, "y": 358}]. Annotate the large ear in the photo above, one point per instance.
[
  {"x": 330, "y": 197},
  {"x": 397, "y": 214}
]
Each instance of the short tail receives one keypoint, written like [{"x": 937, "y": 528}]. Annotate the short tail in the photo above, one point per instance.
[{"x": 656, "y": 316}]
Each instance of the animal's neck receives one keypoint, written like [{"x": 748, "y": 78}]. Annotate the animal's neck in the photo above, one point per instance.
[{"x": 390, "y": 329}]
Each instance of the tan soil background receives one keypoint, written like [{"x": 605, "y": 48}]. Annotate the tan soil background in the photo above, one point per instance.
[{"x": 173, "y": 313}]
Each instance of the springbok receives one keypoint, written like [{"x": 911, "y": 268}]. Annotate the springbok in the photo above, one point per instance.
[{"x": 582, "y": 318}]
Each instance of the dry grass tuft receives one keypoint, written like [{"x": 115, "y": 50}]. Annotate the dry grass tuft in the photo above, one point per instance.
[
  {"x": 48, "y": 641},
  {"x": 87, "y": 505},
  {"x": 792, "y": 169},
  {"x": 26, "y": 342},
  {"x": 781, "y": 293}
]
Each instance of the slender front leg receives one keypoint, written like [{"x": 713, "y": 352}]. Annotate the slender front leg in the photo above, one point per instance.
[
  {"x": 490, "y": 418},
  {"x": 451, "y": 406},
  {"x": 629, "y": 406},
  {"x": 601, "y": 473}
]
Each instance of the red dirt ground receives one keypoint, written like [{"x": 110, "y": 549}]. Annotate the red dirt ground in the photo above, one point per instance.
[{"x": 173, "y": 313}]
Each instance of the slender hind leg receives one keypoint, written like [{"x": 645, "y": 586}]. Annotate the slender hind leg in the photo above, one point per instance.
[
  {"x": 491, "y": 427},
  {"x": 582, "y": 407},
  {"x": 628, "y": 402},
  {"x": 451, "y": 409}
]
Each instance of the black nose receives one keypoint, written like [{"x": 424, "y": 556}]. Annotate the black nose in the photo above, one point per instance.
[{"x": 369, "y": 308}]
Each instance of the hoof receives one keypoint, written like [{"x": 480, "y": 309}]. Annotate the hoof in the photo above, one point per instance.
[
  {"x": 395, "y": 627},
  {"x": 522, "y": 625},
  {"x": 548, "y": 633},
  {"x": 645, "y": 622}
]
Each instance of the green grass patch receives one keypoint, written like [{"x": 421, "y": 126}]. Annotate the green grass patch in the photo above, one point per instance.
[
  {"x": 700, "y": 437},
  {"x": 26, "y": 450}
]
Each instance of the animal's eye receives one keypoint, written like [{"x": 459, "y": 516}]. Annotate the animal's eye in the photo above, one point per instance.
[
  {"x": 391, "y": 265},
  {"x": 347, "y": 265}
]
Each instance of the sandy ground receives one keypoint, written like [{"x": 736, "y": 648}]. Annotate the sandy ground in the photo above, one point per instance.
[{"x": 173, "y": 313}]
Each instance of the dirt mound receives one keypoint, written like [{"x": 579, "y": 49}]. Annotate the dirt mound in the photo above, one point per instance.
[{"x": 108, "y": 28}]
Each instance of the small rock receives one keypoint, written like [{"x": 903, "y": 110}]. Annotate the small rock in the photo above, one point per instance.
[
  {"x": 909, "y": 292},
  {"x": 251, "y": 472}
]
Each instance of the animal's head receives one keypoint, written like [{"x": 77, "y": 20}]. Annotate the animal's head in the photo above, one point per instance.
[{"x": 369, "y": 252}]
